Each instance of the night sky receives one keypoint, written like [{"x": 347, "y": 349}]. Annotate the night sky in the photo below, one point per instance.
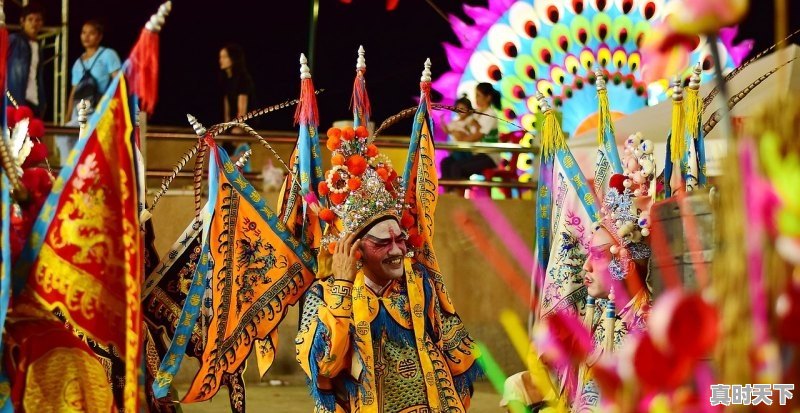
[{"x": 274, "y": 33}]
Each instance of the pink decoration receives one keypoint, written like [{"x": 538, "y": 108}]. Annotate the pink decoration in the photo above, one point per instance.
[
  {"x": 518, "y": 248},
  {"x": 665, "y": 53},
  {"x": 761, "y": 204},
  {"x": 706, "y": 16},
  {"x": 737, "y": 52}
]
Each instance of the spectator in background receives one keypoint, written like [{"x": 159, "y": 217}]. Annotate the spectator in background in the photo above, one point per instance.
[
  {"x": 465, "y": 123},
  {"x": 92, "y": 72},
  {"x": 90, "y": 77},
  {"x": 237, "y": 87},
  {"x": 486, "y": 100},
  {"x": 25, "y": 75}
]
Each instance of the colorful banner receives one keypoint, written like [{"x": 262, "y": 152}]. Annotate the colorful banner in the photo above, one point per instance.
[
  {"x": 566, "y": 209},
  {"x": 257, "y": 271},
  {"x": 187, "y": 317},
  {"x": 5, "y": 281},
  {"x": 299, "y": 220},
  {"x": 84, "y": 256},
  {"x": 422, "y": 183}
]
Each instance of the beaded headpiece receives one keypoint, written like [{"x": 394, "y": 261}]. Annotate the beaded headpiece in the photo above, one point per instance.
[
  {"x": 362, "y": 186},
  {"x": 626, "y": 206}
]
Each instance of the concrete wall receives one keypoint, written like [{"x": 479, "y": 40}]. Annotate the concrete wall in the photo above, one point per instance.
[{"x": 477, "y": 289}]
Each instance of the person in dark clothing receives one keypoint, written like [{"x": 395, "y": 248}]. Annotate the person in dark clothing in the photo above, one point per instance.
[
  {"x": 237, "y": 86},
  {"x": 25, "y": 68}
]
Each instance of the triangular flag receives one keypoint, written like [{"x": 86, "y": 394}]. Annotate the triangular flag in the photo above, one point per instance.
[
  {"x": 421, "y": 179},
  {"x": 84, "y": 256},
  {"x": 565, "y": 211},
  {"x": 257, "y": 271}
]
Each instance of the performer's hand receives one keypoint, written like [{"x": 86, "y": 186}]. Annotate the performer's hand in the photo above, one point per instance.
[{"x": 345, "y": 258}]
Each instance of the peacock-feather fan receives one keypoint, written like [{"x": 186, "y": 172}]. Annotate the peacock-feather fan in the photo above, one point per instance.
[{"x": 552, "y": 46}]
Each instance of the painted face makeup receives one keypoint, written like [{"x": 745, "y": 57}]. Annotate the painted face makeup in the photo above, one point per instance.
[
  {"x": 597, "y": 278},
  {"x": 383, "y": 248}
]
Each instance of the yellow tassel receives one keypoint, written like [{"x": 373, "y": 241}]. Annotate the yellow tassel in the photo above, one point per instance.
[
  {"x": 678, "y": 138},
  {"x": 609, "y": 324},
  {"x": 694, "y": 107},
  {"x": 604, "y": 115},
  {"x": 552, "y": 135}
]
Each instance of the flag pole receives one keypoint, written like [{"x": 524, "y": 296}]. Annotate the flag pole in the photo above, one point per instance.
[
  {"x": 312, "y": 32},
  {"x": 82, "y": 118}
]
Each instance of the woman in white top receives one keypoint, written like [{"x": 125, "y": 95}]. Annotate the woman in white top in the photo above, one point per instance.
[{"x": 486, "y": 100}]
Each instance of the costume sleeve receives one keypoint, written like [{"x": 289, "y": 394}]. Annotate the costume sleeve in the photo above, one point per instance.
[{"x": 323, "y": 341}]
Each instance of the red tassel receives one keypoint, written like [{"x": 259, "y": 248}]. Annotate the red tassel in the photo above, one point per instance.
[
  {"x": 425, "y": 89},
  {"x": 143, "y": 73},
  {"x": 3, "y": 55},
  {"x": 306, "y": 112},
  {"x": 360, "y": 99}
]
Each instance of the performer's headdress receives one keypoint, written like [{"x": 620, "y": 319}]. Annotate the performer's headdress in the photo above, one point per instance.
[
  {"x": 626, "y": 206},
  {"x": 362, "y": 186}
]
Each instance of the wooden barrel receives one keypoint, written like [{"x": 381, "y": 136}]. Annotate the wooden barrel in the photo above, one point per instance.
[{"x": 686, "y": 224}]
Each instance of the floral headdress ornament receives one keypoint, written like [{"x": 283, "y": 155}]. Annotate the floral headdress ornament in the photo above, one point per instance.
[
  {"x": 362, "y": 185},
  {"x": 626, "y": 206}
]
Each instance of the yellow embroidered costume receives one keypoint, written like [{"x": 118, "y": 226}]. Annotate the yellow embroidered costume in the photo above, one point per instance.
[{"x": 403, "y": 349}]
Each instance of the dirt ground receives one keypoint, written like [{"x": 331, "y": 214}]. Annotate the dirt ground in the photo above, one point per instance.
[{"x": 294, "y": 398}]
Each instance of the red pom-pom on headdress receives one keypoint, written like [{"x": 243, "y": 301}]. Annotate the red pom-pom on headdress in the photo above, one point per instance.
[
  {"x": 617, "y": 182},
  {"x": 327, "y": 215},
  {"x": 348, "y": 133},
  {"x": 414, "y": 240},
  {"x": 37, "y": 156},
  {"x": 407, "y": 221},
  {"x": 11, "y": 116},
  {"x": 334, "y": 133},
  {"x": 323, "y": 189},
  {"x": 22, "y": 112},
  {"x": 333, "y": 143},
  {"x": 356, "y": 165},
  {"x": 362, "y": 131},
  {"x": 36, "y": 128}
]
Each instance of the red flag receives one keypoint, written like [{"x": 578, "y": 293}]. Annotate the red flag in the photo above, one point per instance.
[{"x": 85, "y": 253}]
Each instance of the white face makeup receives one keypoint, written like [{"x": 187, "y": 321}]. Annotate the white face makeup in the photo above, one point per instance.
[
  {"x": 597, "y": 278},
  {"x": 383, "y": 248}
]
